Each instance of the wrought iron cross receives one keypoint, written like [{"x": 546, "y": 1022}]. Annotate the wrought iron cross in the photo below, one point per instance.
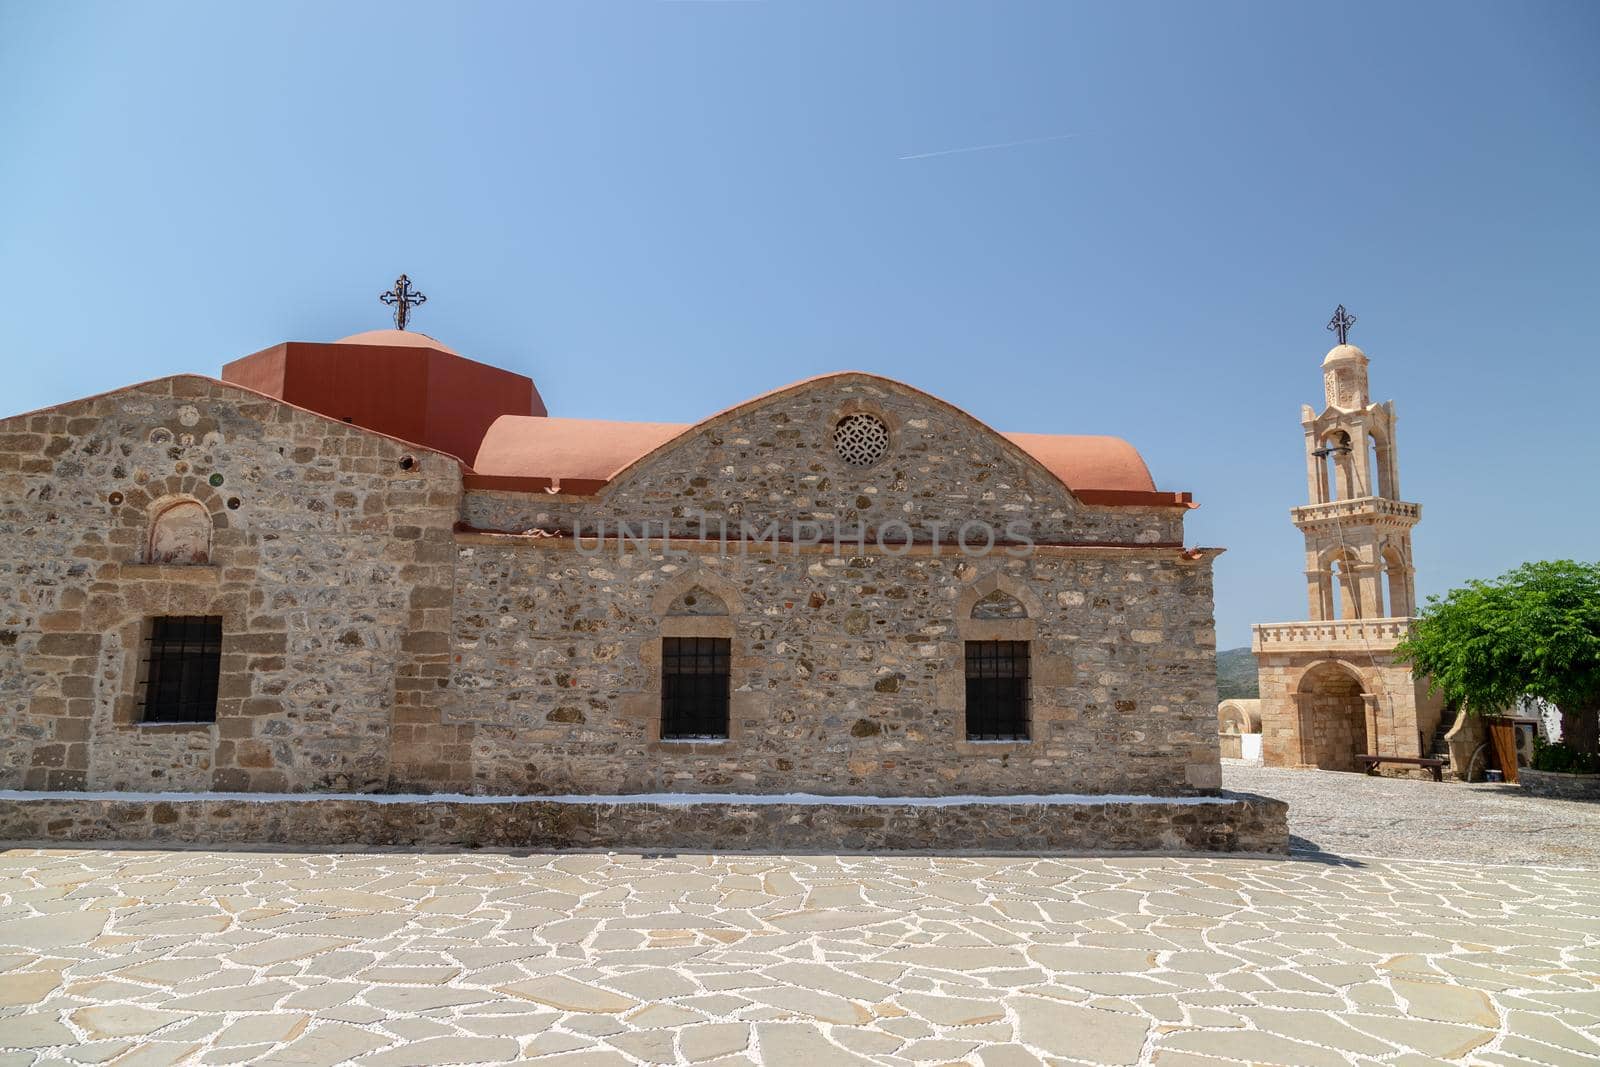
[
  {"x": 402, "y": 298},
  {"x": 1341, "y": 322}
]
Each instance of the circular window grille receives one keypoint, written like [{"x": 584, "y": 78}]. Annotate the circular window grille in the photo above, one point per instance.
[{"x": 861, "y": 439}]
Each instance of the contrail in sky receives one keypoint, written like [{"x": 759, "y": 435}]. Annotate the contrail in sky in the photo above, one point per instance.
[{"x": 986, "y": 147}]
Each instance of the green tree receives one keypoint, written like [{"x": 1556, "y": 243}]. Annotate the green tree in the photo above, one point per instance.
[{"x": 1534, "y": 631}]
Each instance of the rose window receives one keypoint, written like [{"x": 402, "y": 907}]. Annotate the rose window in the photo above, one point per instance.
[{"x": 861, "y": 439}]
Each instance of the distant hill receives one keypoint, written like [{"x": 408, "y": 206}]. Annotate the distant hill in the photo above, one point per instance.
[{"x": 1236, "y": 674}]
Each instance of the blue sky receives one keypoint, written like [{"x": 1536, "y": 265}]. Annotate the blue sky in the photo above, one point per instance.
[{"x": 660, "y": 209}]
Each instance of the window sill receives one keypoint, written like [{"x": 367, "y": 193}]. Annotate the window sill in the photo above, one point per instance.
[
  {"x": 969, "y": 747},
  {"x": 690, "y": 744},
  {"x": 173, "y": 727}
]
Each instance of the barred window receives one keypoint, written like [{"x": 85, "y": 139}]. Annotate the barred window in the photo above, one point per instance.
[
  {"x": 181, "y": 668},
  {"x": 997, "y": 690},
  {"x": 694, "y": 688}
]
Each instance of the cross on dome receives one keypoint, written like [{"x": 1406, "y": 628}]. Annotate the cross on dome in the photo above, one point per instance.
[{"x": 402, "y": 298}]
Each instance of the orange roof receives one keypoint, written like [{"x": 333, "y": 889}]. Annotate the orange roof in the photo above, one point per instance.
[
  {"x": 525, "y": 446},
  {"x": 396, "y": 339},
  {"x": 581, "y": 454}
]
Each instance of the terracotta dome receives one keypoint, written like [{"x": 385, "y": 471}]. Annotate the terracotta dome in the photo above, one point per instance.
[
  {"x": 396, "y": 339},
  {"x": 1344, "y": 354}
]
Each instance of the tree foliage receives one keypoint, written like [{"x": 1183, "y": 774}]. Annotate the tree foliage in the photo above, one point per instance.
[{"x": 1534, "y": 631}]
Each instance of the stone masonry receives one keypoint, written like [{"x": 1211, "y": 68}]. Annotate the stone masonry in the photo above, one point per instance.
[
  {"x": 389, "y": 625},
  {"x": 330, "y": 566}
]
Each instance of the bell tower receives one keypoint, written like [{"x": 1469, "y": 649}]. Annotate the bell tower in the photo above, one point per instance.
[
  {"x": 1330, "y": 687},
  {"x": 1356, "y": 527}
]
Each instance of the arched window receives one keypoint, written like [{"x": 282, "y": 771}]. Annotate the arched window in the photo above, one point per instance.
[
  {"x": 697, "y": 659},
  {"x": 999, "y": 678},
  {"x": 180, "y": 533}
]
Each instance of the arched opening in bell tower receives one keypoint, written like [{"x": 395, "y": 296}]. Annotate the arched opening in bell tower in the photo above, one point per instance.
[
  {"x": 1340, "y": 585},
  {"x": 1335, "y": 473},
  {"x": 1380, "y": 467},
  {"x": 1332, "y": 696},
  {"x": 1396, "y": 598}
]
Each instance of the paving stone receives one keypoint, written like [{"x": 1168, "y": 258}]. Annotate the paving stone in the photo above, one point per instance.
[
  {"x": 326, "y": 1044},
  {"x": 402, "y": 999},
  {"x": 823, "y": 1007},
  {"x": 53, "y": 931},
  {"x": 952, "y": 1011},
  {"x": 800, "y": 1045},
  {"x": 1446, "y": 1003},
  {"x": 19, "y": 988},
  {"x": 1446, "y": 1040},
  {"x": 1068, "y": 1030},
  {"x": 569, "y": 995},
  {"x": 253, "y": 1029},
  {"x": 33, "y": 1031},
  {"x": 123, "y": 1020},
  {"x": 279, "y": 949}
]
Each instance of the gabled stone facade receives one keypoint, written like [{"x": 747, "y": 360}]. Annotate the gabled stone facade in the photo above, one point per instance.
[{"x": 393, "y": 621}]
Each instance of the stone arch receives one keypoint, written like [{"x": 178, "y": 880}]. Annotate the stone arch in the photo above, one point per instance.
[
  {"x": 999, "y": 605},
  {"x": 1340, "y": 580},
  {"x": 142, "y": 505},
  {"x": 713, "y": 595},
  {"x": 179, "y": 532},
  {"x": 1239, "y": 716},
  {"x": 1336, "y": 473},
  {"x": 698, "y": 601},
  {"x": 1236, "y": 720},
  {"x": 1334, "y": 715},
  {"x": 981, "y": 590}
]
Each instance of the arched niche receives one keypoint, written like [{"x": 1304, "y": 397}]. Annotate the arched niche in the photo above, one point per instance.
[
  {"x": 999, "y": 604},
  {"x": 180, "y": 533},
  {"x": 697, "y": 601}
]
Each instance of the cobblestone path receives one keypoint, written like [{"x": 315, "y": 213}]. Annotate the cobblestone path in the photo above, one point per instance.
[
  {"x": 144, "y": 957},
  {"x": 1412, "y": 818}
]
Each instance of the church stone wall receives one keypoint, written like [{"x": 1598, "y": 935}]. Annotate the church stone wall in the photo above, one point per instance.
[
  {"x": 368, "y": 645},
  {"x": 330, "y": 564},
  {"x": 848, "y": 671}
]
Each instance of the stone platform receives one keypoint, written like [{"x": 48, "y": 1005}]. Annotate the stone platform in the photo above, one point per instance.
[{"x": 1232, "y": 822}]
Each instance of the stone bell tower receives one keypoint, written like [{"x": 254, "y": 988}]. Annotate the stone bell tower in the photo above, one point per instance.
[{"x": 1330, "y": 687}]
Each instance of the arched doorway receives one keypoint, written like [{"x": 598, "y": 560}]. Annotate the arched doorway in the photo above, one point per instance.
[{"x": 1334, "y": 708}]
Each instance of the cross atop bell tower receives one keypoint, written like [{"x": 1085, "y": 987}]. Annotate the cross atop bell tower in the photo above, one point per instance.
[{"x": 1340, "y": 324}]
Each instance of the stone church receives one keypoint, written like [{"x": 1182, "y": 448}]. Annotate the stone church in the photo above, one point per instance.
[
  {"x": 375, "y": 565},
  {"x": 1331, "y": 689}
]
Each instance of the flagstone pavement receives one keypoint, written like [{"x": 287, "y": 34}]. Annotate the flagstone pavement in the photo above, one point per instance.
[{"x": 392, "y": 958}]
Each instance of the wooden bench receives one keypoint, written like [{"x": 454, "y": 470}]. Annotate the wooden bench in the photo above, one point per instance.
[{"x": 1371, "y": 763}]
